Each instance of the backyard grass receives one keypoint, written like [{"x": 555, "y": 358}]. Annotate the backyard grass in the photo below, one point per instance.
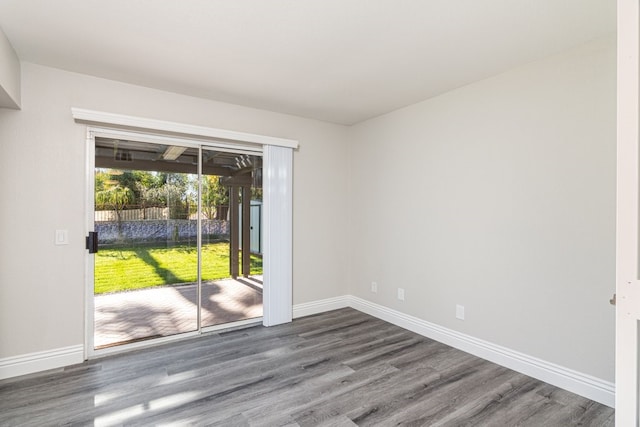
[{"x": 142, "y": 267}]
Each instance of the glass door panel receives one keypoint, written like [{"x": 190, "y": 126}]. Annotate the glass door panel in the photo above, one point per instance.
[
  {"x": 231, "y": 278},
  {"x": 146, "y": 268}
]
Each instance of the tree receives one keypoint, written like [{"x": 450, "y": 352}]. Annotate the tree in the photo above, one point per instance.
[
  {"x": 116, "y": 197},
  {"x": 214, "y": 196},
  {"x": 110, "y": 193},
  {"x": 149, "y": 190},
  {"x": 176, "y": 201}
]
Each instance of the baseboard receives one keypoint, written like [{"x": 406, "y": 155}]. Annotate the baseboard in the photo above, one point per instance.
[
  {"x": 52, "y": 359},
  {"x": 40, "y": 361},
  {"x": 320, "y": 306},
  {"x": 576, "y": 382}
]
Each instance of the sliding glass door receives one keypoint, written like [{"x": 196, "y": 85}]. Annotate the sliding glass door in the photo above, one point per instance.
[{"x": 171, "y": 239}]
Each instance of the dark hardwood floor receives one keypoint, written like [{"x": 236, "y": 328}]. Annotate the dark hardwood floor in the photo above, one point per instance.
[{"x": 340, "y": 368}]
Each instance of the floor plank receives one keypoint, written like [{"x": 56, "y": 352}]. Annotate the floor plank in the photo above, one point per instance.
[{"x": 341, "y": 368}]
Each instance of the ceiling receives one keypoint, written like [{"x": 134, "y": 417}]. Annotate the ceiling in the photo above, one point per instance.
[{"x": 342, "y": 61}]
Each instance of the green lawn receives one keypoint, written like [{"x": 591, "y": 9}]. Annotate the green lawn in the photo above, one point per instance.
[{"x": 143, "y": 267}]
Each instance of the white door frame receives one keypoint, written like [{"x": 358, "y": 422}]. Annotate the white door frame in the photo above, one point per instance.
[
  {"x": 278, "y": 202},
  {"x": 627, "y": 265}
]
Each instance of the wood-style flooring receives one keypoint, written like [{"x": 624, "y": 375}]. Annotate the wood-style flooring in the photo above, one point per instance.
[{"x": 341, "y": 368}]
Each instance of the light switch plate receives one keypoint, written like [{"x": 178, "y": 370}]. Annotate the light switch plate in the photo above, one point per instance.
[{"x": 62, "y": 237}]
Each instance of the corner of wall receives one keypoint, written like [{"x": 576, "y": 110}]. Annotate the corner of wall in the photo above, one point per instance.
[{"x": 10, "y": 77}]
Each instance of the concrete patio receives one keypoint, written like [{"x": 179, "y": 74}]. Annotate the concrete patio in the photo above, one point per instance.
[{"x": 125, "y": 317}]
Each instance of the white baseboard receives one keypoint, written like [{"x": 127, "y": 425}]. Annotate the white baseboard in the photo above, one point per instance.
[
  {"x": 40, "y": 361},
  {"x": 576, "y": 382},
  {"x": 320, "y": 306},
  {"x": 58, "y": 358}
]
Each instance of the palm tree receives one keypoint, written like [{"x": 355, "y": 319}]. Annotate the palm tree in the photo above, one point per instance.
[{"x": 117, "y": 197}]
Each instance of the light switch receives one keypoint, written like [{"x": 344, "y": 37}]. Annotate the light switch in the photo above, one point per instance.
[{"x": 62, "y": 237}]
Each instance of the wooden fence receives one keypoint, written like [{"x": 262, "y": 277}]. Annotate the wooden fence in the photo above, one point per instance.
[{"x": 132, "y": 214}]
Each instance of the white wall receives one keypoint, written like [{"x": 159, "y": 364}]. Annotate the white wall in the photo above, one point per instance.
[
  {"x": 499, "y": 196},
  {"x": 42, "y": 172},
  {"x": 9, "y": 74}
]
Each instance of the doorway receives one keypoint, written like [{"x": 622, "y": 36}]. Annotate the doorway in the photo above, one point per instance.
[{"x": 171, "y": 222}]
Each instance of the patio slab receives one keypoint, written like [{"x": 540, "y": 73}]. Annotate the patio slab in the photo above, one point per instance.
[{"x": 124, "y": 317}]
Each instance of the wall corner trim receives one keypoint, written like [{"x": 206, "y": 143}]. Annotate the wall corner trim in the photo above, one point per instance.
[
  {"x": 40, "y": 361},
  {"x": 576, "y": 382}
]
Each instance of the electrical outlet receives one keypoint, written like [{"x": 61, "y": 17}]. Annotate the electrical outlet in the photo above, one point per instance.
[
  {"x": 460, "y": 312},
  {"x": 401, "y": 294},
  {"x": 374, "y": 287}
]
